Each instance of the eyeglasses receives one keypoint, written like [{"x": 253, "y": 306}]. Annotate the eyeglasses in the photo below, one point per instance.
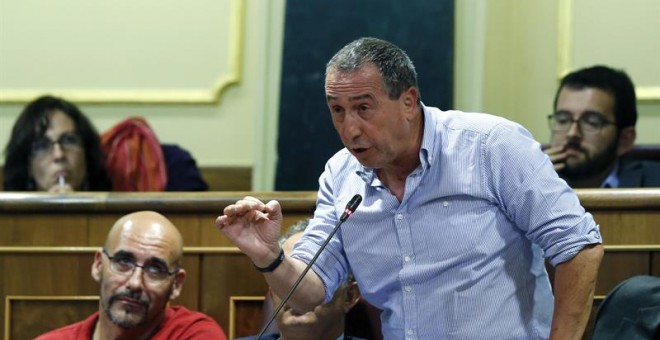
[
  {"x": 125, "y": 265},
  {"x": 589, "y": 123},
  {"x": 67, "y": 141}
]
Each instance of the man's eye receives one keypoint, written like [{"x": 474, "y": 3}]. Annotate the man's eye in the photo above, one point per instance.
[
  {"x": 563, "y": 120},
  {"x": 154, "y": 269},
  {"x": 125, "y": 262},
  {"x": 593, "y": 121}
]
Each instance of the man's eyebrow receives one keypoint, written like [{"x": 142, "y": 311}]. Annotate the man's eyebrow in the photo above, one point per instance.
[
  {"x": 354, "y": 98},
  {"x": 593, "y": 112},
  {"x": 151, "y": 260},
  {"x": 157, "y": 261},
  {"x": 124, "y": 254},
  {"x": 586, "y": 112}
]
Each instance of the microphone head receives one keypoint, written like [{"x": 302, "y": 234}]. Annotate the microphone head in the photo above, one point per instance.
[
  {"x": 354, "y": 203},
  {"x": 350, "y": 207}
]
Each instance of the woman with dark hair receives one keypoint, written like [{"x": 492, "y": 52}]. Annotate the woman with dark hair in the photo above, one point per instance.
[{"x": 54, "y": 147}]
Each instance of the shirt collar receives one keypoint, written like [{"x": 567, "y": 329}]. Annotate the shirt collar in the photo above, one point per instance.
[{"x": 612, "y": 180}]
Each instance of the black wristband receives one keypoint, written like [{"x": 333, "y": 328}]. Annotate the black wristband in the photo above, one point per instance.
[{"x": 273, "y": 265}]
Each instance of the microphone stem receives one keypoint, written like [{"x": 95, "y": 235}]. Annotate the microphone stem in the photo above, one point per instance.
[{"x": 300, "y": 278}]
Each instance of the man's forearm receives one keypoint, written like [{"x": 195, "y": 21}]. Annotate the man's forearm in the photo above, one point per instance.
[
  {"x": 310, "y": 292},
  {"x": 574, "y": 285}
]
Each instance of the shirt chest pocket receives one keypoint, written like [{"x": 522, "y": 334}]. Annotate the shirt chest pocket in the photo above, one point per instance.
[{"x": 451, "y": 229}]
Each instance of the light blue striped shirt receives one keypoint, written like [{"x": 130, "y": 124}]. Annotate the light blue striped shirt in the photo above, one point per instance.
[{"x": 461, "y": 257}]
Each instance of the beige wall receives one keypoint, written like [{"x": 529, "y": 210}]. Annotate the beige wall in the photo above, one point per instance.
[
  {"x": 508, "y": 61},
  {"x": 511, "y": 53}
]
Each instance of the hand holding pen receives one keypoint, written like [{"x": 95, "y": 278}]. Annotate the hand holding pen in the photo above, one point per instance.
[{"x": 61, "y": 187}]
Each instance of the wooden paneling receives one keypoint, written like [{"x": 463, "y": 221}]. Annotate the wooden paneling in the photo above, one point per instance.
[
  {"x": 47, "y": 244},
  {"x": 49, "y": 311},
  {"x": 227, "y": 178},
  {"x": 618, "y": 266},
  {"x": 219, "y": 178},
  {"x": 655, "y": 263},
  {"x": 245, "y": 315}
]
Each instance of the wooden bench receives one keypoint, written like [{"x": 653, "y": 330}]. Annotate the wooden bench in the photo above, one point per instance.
[{"x": 47, "y": 244}]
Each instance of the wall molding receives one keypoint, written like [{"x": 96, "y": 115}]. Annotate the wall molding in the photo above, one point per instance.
[
  {"x": 233, "y": 306},
  {"x": 565, "y": 51},
  {"x": 155, "y": 96},
  {"x": 9, "y": 299}
]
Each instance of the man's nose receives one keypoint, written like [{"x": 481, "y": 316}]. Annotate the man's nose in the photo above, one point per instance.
[
  {"x": 351, "y": 127},
  {"x": 135, "y": 282},
  {"x": 574, "y": 130}
]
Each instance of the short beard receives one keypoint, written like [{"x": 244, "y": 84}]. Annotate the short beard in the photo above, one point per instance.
[
  {"x": 123, "y": 323},
  {"x": 592, "y": 166}
]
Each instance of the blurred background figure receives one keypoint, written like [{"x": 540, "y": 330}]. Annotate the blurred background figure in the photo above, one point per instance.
[
  {"x": 630, "y": 311},
  {"x": 137, "y": 161},
  {"x": 54, "y": 147},
  {"x": 592, "y": 127},
  {"x": 327, "y": 321}
]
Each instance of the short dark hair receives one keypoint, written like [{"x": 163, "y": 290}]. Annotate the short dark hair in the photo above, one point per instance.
[
  {"x": 396, "y": 68},
  {"x": 615, "y": 82},
  {"x": 31, "y": 125}
]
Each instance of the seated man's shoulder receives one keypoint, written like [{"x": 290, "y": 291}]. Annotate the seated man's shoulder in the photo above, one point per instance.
[
  {"x": 275, "y": 336},
  {"x": 272, "y": 336},
  {"x": 181, "y": 322},
  {"x": 79, "y": 330},
  {"x": 640, "y": 174},
  {"x": 183, "y": 173}
]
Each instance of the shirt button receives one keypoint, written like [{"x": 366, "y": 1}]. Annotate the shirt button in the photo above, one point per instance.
[
  {"x": 445, "y": 203},
  {"x": 407, "y": 289},
  {"x": 407, "y": 258},
  {"x": 410, "y": 331},
  {"x": 399, "y": 217}
]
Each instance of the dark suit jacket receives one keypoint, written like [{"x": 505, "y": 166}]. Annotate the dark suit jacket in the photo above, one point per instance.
[
  {"x": 630, "y": 311},
  {"x": 182, "y": 171},
  {"x": 639, "y": 174}
]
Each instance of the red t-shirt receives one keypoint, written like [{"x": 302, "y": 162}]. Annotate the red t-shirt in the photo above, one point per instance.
[{"x": 179, "y": 323}]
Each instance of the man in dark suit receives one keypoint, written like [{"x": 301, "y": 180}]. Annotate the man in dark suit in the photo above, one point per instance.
[
  {"x": 593, "y": 126},
  {"x": 630, "y": 311}
]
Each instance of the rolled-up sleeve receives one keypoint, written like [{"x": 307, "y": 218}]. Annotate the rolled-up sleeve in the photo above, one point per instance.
[{"x": 541, "y": 204}]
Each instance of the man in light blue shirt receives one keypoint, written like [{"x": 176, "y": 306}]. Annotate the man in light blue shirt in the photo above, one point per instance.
[{"x": 459, "y": 212}]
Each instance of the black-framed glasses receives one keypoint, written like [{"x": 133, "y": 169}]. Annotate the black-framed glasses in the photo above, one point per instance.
[
  {"x": 125, "y": 265},
  {"x": 589, "y": 123},
  {"x": 67, "y": 141}
]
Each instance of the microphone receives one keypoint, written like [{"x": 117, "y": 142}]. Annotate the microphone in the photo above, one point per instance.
[{"x": 348, "y": 211}]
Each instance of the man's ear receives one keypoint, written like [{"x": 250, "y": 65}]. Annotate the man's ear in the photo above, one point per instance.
[
  {"x": 409, "y": 101},
  {"x": 627, "y": 137},
  {"x": 352, "y": 296},
  {"x": 179, "y": 278},
  {"x": 97, "y": 266}
]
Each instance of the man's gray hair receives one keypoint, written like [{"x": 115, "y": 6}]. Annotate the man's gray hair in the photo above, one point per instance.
[
  {"x": 295, "y": 228},
  {"x": 396, "y": 68},
  {"x": 300, "y": 227}
]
